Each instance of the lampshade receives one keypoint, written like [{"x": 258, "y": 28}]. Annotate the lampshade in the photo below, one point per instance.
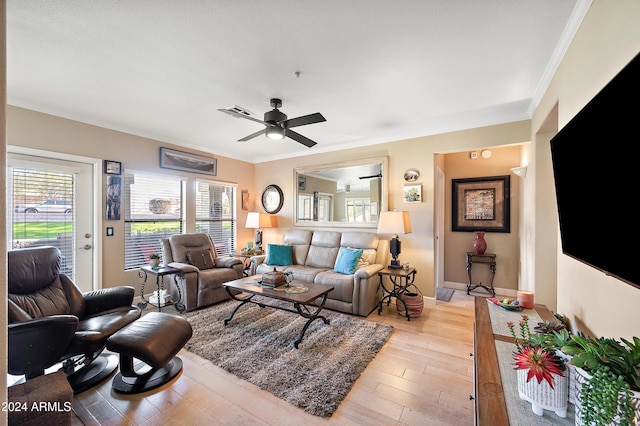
[
  {"x": 258, "y": 220},
  {"x": 394, "y": 223}
]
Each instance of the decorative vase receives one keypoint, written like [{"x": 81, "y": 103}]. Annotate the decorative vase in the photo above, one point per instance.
[
  {"x": 581, "y": 377},
  {"x": 542, "y": 396},
  {"x": 480, "y": 245},
  {"x": 154, "y": 263},
  {"x": 414, "y": 301}
]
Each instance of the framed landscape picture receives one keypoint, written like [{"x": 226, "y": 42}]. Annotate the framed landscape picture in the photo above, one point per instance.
[
  {"x": 185, "y": 161},
  {"x": 481, "y": 204}
]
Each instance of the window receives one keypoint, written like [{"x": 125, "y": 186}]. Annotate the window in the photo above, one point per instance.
[
  {"x": 42, "y": 206},
  {"x": 216, "y": 214},
  {"x": 317, "y": 207},
  {"x": 358, "y": 209},
  {"x": 152, "y": 211}
]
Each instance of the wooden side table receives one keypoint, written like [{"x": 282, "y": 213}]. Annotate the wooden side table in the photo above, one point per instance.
[
  {"x": 159, "y": 273},
  {"x": 401, "y": 279},
  {"x": 487, "y": 258}
]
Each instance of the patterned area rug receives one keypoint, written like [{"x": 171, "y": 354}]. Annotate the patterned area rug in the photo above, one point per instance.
[{"x": 258, "y": 346}]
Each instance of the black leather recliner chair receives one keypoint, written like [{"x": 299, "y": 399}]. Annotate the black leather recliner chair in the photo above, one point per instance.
[{"x": 44, "y": 305}]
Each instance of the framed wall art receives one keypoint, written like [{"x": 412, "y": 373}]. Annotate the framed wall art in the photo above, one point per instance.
[
  {"x": 112, "y": 167},
  {"x": 185, "y": 161},
  {"x": 113, "y": 198},
  {"x": 412, "y": 194},
  {"x": 245, "y": 199},
  {"x": 481, "y": 204}
]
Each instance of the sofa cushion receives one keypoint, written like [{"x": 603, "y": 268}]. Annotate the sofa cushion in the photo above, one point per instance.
[
  {"x": 347, "y": 260},
  {"x": 201, "y": 259},
  {"x": 342, "y": 285},
  {"x": 280, "y": 255},
  {"x": 300, "y": 240},
  {"x": 368, "y": 258},
  {"x": 322, "y": 257}
]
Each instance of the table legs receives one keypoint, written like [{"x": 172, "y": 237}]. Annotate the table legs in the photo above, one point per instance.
[
  {"x": 143, "y": 304},
  {"x": 398, "y": 289},
  {"x": 301, "y": 309}
]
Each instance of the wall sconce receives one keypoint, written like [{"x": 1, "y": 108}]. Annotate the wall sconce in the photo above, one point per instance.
[{"x": 519, "y": 171}]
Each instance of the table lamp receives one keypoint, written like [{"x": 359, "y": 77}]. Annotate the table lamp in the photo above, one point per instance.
[
  {"x": 258, "y": 220},
  {"x": 394, "y": 223}
]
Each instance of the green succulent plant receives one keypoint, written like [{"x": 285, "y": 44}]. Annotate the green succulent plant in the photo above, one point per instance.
[
  {"x": 615, "y": 370},
  {"x": 547, "y": 327}
]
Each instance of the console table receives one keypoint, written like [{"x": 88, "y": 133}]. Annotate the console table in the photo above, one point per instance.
[
  {"x": 495, "y": 384},
  {"x": 487, "y": 258}
]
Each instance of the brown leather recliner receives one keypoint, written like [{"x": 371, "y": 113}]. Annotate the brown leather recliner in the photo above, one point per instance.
[
  {"x": 41, "y": 297},
  {"x": 203, "y": 271}
]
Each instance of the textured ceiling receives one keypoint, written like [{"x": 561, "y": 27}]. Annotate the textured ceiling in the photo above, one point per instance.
[{"x": 377, "y": 70}]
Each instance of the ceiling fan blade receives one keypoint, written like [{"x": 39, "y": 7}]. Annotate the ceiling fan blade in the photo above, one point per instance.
[
  {"x": 379, "y": 175},
  {"x": 299, "y": 138},
  {"x": 303, "y": 121},
  {"x": 252, "y": 135},
  {"x": 238, "y": 115}
]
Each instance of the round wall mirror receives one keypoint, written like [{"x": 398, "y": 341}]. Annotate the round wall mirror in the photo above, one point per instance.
[{"x": 272, "y": 199}]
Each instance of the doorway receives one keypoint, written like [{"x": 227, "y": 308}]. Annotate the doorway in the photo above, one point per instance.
[{"x": 50, "y": 203}]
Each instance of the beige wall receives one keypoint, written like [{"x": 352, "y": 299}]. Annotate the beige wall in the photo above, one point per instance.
[
  {"x": 419, "y": 153},
  {"x": 504, "y": 245},
  {"x": 607, "y": 40},
  {"x": 45, "y": 132}
]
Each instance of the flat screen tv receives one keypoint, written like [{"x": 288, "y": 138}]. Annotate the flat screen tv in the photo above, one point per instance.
[{"x": 596, "y": 166}]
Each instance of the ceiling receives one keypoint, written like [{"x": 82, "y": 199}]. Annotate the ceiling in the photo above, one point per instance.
[{"x": 377, "y": 70}]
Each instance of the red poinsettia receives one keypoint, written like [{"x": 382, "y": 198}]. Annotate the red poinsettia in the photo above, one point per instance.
[{"x": 541, "y": 363}]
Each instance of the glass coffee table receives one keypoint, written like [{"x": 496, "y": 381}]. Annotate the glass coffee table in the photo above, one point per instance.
[{"x": 300, "y": 294}]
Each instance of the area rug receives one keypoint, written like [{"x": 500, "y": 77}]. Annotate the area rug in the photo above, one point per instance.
[
  {"x": 443, "y": 294},
  {"x": 257, "y": 345}
]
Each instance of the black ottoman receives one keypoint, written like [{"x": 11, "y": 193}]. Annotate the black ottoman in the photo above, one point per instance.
[{"x": 154, "y": 339}]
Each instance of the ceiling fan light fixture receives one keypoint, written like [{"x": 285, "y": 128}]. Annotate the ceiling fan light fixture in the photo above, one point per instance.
[{"x": 274, "y": 132}]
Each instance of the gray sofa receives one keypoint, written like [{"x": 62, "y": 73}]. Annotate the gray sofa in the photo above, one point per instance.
[{"x": 314, "y": 258}]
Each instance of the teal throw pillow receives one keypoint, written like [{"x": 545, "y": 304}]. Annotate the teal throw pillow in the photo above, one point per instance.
[
  {"x": 280, "y": 255},
  {"x": 347, "y": 260}
]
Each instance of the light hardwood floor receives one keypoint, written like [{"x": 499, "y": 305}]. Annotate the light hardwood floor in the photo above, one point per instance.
[{"x": 422, "y": 376}]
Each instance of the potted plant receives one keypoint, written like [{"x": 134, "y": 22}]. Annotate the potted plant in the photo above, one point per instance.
[
  {"x": 536, "y": 358},
  {"x": 154, "y": 260},
  {"x": 609, "y": 379}
]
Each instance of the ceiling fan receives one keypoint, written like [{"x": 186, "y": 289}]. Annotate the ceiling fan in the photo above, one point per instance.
[
  {"x": 277, "y": 126},
  {"x": 379, "y": 175}
]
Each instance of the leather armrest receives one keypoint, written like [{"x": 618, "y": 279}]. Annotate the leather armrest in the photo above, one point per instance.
[
  {"x": 184, "y": 267},
  {"x": 368, "y": 271},
  {"x": 259, "y": 259},
  {"x": 108, "y": 298},
  {"x": 227, "y": 262},
  {"x": 39, "y": 343}
]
